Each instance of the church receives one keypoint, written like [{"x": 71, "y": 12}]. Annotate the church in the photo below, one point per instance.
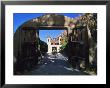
[{"x": 54, "y": 44}]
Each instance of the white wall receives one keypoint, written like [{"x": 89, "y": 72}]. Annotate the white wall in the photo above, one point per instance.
[{"x": 50, "y": 48}]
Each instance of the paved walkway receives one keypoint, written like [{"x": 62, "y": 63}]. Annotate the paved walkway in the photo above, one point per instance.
[{"x": 55, "y": 65}]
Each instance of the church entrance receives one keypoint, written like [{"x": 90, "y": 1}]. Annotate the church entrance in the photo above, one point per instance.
[{"x": 54, "y": 49}]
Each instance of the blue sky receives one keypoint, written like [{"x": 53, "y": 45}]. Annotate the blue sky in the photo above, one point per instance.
[
  {"x": 20, "y": 18},
  {"x": 53, "y": 33}
]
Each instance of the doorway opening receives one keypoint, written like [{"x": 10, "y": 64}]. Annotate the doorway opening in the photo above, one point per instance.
[{"x": 54, "y": 38}]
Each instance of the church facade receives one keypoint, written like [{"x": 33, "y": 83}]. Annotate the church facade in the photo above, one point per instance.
[{"x": 54, "y": 44}]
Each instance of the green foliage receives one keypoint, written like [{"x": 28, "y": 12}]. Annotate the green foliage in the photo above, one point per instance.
[
  {"x": 63, "y": 46},
  {"x": 64, "y": 43}
]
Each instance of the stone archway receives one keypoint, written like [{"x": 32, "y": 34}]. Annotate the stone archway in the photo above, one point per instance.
[
  {"x": 45, "y": 21},
  {"x": 25, "y": 42},
  {"x": 23, "y": 38}
]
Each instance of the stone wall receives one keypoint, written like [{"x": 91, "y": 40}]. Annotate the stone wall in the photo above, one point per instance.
[
  {"x": 85, "y": 31},
  {"x": 25, "y": 48}
]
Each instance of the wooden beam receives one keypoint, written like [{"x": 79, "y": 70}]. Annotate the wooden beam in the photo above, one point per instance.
[{"x": 46, "y": 28}]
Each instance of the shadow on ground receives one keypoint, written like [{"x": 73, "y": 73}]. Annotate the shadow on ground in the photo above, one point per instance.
[{"x": 55, "y": 65}]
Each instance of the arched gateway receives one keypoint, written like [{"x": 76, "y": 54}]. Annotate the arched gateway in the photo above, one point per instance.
[
  {"x": 26, "y": 37},
  {"x": 47, "y": 21}
]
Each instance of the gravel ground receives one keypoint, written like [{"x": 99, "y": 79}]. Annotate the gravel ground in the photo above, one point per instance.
[{"x": 54, "y": 65}]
